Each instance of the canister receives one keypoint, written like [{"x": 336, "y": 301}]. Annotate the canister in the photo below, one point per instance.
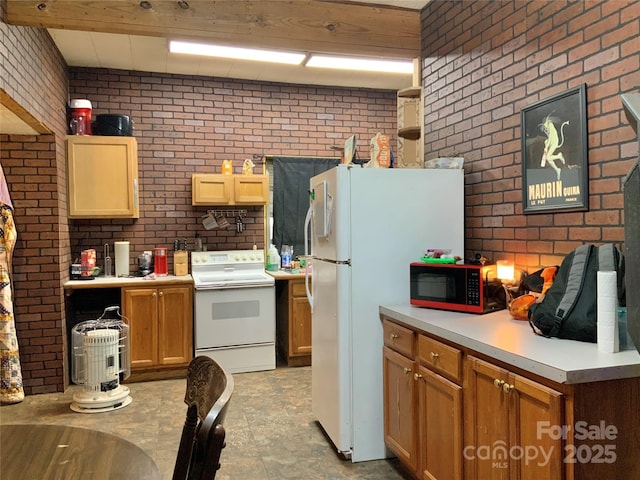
[
  {"x": 160, "y": 264},
  {"x": 80, "y": 121}
]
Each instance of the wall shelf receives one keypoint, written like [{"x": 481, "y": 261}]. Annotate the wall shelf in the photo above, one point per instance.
[{"x": 410, "y": 133}]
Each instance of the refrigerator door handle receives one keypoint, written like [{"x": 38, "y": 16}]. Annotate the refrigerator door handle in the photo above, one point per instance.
[
  {"x": 306, "y": 286},
  {"x": 307, "y": 230},
  {"x": 307, "y": 253}
]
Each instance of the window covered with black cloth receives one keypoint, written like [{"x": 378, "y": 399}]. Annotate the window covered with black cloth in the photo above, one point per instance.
[{"x": 291, "y": 177}]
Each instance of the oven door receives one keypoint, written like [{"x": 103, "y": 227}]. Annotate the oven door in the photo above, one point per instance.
[{"x": 234, "y": 316}]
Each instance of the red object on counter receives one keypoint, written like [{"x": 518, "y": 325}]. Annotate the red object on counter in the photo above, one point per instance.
[
  {"x": 160, "y": 261},
  {"x": 87, "y": 262}
]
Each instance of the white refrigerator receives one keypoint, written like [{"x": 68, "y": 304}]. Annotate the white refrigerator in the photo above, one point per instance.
[{"x": 365, "y": 227}]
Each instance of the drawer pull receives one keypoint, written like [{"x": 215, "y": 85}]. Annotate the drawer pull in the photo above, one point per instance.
[
  {"x": 508, "y": 388},
  {"x": 434, "y": 356},
  {"x": 498, "y": 383},
  {"x": 417, "y": 376},
  {"x": 407, "y": 370},
  {"x": 393, "y": 336}
]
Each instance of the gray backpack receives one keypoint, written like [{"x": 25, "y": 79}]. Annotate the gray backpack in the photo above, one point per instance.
[{"x": 569, "y": 308}]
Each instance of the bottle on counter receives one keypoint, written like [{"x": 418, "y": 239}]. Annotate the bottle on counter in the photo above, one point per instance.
[
  {"x": 273, "y": 259},
  {"x": 287, "y": 254}
]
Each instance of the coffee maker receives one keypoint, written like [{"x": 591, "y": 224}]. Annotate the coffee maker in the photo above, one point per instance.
[{"x": 145, "y": 263}]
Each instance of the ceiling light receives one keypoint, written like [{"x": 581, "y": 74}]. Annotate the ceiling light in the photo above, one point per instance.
[
  {"x": 347, "y": 63},
  {"x": 236, "y": 53}
]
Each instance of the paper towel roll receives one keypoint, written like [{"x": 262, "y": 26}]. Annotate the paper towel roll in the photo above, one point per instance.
[
  {"x": 607, "y": 312},
  {"x": 122, "y": 258}
]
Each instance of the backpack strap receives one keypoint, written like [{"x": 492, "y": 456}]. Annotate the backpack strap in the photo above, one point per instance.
[
  {"x": 606, "y": 258},
  {"x": 575, "y": 279}
]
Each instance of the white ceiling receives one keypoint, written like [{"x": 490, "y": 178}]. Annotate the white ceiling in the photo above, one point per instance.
[{"x": 150, "y": 54}]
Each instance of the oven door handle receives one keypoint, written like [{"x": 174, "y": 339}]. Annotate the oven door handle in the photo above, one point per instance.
[{"x": 232, "y": 285}]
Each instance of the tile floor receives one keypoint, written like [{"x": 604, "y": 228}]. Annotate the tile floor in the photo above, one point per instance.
[{"x": 271, "y": 433}]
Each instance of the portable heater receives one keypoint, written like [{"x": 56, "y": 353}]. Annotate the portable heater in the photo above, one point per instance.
[{"x": 100, "y": 361}]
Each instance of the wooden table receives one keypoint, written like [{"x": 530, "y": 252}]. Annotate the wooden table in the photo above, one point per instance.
[{"x": 56, "y": 452}]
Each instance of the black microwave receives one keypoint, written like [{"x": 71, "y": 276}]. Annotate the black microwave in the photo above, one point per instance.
[{"x": 461, "y": 288}]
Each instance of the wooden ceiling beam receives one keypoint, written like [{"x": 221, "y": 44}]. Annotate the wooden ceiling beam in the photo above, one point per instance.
[{"x": 317, "y": 26}]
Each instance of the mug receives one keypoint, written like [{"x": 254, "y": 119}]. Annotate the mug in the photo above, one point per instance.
[
  {"x": 222, "y": 221},
  {"x": 77, "y": 126}
]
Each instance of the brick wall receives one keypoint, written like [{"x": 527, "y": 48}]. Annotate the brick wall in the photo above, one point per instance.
[
  {"x": 485, "y": 61},
  {"x": 190, "y": 124},
  {"x": 34, "y": 74}
]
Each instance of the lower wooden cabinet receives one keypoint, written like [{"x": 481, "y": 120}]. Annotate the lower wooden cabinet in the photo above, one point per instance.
[
  {"x": 504, "y": 415},
  {"x": 400, "y": 407},
  {"x": 423, "y": 409},
  {"x": 440, "y": 434},
  {"x": 452, "y": 418},
  {"x": 161, "y": 325},
  {"x": 453, "y": 413},
  {"x": 293, "y": 320}
]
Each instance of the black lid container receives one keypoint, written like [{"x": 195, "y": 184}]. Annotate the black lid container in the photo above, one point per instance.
[{"x": 114, "y": 125}]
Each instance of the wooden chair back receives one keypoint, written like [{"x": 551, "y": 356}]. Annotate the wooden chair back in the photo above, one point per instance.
[{"x": 209, "y": 390}]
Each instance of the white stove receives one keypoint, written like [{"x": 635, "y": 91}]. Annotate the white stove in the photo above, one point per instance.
[{"x": 235, "y": 312}]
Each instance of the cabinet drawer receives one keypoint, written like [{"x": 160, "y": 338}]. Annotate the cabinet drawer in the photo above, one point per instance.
[
  {"x": 398, "y": 338},
  {"x": 298, "y": 289},
  {"x": 440, "y": 357}
]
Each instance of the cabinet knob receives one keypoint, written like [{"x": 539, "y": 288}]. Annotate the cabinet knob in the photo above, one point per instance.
[
  {"x": 161, "y": 294},
  {"x": 417, "y": 376},
  {"x": 407, "y": 370},
  {"x": 498, "y": 383},
  {"x": 434, "y": 356},
  {"x": 508, "y": 388},
  {"x": 393, "y": 336},
  {"x": 153, "y": 294}
]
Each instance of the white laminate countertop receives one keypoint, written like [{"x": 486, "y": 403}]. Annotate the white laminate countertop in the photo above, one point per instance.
[
  {"x": 118, "y": 282},
  {"x": 284, "y": 275},
  {"x": 513, "y": 342}
]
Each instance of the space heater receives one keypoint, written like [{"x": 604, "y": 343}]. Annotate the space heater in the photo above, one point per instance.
[{"x": 100, "y": 361}]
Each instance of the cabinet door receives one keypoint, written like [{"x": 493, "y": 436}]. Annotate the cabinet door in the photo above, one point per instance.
[
  {"x": 487, "y": 422},
  {"x": 102, "y": 177},
  {"x": 400, "y": 424},
  {"x": 533, "y": 410},
  {"x": 212, "y": 189},
  {"x": 506, "y": 438},
  {"x": 176, "y": 320},
  {"x": 440, "y": 414},
  {"x": 300, "y": 328},
  {"x": 251, "y": 189},
  {"x": 140, "y": 306}
]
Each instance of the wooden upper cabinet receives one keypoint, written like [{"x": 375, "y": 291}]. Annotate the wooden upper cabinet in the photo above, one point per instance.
[
  {"x": 219, "y": 189},
  {"x": 102, "y": 177}
]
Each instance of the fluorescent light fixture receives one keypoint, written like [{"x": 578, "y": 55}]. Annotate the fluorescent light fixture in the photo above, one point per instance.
[
  {"x": 347, "y": 63},
  {"x": 236, "y": 53}
]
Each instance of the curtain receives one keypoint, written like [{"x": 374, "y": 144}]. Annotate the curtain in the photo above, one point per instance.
[{"x": 291, "y": 177}]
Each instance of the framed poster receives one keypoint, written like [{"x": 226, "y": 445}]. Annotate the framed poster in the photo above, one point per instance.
[{"x": 555, "y": 174}]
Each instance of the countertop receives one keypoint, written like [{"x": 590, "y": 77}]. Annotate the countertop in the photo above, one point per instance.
[
  {"x": 117, "y": 282},
  {"x": 282, "y": 275},
  {"x": 513, "y": 342}
]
